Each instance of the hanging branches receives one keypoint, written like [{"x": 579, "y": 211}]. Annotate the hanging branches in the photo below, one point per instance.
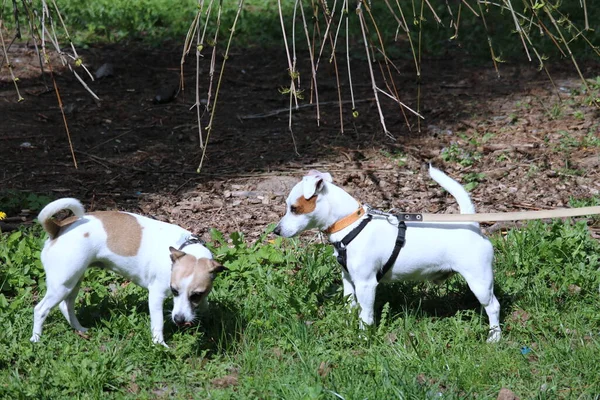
[
  {"x": 45, "y": 27},
  {"x": 351, "y": 36}
]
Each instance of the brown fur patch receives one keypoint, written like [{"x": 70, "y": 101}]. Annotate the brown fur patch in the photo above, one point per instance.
[
  {"x": 56, "y": 228},
  {"x": 201, "y": 270},
  {"x": 87, "y": 234},
  {"x": 304, "y": 206},
  {"x": 123, "y": 231}
]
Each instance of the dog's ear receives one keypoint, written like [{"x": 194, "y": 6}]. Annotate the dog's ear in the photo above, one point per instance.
[
  {"x": 314, "y": 182},
  {"x": 217, "y": 266},
  {"x": 175, "y": 254},
  {"x": 326, "y": 176}
]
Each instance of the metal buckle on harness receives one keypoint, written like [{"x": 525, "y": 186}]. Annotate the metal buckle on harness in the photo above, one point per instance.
[
  {"x": 391, "y": 218},
  {"x": 192, "y": 239}
]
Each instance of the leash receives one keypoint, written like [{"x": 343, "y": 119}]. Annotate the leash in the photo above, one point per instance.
[{"x": 492, "y": 217}]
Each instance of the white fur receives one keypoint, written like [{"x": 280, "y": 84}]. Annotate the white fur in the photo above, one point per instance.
[
  {"x": 182, "y": 307},
  {"x": 431, "y": 251},
  {"x": 66, "y": 258}
]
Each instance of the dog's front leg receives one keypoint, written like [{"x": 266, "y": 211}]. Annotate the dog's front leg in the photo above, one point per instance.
[
  {"x": 156, "y": 298},
  {"x": 349, "y": 294},
  {"x": 365, "y": 294}
]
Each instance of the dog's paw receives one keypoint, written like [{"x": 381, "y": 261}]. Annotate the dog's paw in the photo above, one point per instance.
[
  {"x": 160, "y": 341},
  {"x": 35, "y": 338},
  {"x": 494, "y": 334}
]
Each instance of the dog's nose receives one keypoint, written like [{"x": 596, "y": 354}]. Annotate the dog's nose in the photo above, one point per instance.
[
  {"x": 277, "y": 230},
  {"x": 179, "y": 319}
]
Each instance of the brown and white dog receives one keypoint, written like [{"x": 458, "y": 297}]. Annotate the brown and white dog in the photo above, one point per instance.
[{"x": 158, "y": 256}]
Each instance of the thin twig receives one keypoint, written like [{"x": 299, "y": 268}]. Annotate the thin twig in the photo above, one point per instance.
[
  {"x": 308, "y": 105},
  {"x": 361, "y": 19},
  {"x": 546, "y": 9},
  {"x": 213, "y": 58},
  {"x": 225, "y": 57},
  {"x": 489, "y": 39},
  {"x": 10, "y": 69},
  {"x": 312, "y": 65},
  {"x": 393, "y": 88},
  {"x": 291, "y": 71},
  {"x": 62, "y": 111},
  {"x": 334, "y": 59}
]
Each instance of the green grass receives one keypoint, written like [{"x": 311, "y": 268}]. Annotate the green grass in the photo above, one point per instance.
[{"x": 277, "y": 327}]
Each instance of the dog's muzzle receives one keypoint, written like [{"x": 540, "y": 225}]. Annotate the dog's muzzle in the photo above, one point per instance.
[
  {"x": 277, "y": 230},
  {"x": 180, "y": 320}
]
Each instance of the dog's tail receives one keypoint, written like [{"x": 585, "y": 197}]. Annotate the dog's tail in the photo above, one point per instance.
[
  {"x": 50, "y": 225},
  {"x": 455, "y": 189}
]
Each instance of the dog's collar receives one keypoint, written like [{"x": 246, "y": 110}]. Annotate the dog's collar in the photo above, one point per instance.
[
  {"x": 192, "y": 239},
  {"x": 346, "y": 221}
]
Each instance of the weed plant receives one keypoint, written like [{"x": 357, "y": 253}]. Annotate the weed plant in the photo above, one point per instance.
[{"x": 278, "y": 327}]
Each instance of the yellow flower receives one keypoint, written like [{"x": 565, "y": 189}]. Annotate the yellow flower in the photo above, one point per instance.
[{"x": 2, "y": 215}]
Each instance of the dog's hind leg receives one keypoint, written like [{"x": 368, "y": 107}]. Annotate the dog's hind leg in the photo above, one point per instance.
[
  {"x": 493, "y": 312},
  {"x": 59, "y": 285},
  {"x": 67, "y": 307},
  {"x": 53, "y": 296},
  {"x": 483, "y": 288}
]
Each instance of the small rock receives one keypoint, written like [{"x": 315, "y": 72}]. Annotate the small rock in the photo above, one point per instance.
[
  {"x": 69, "y": 108},
  {"x": 166, "y": 94},
  {"x": 324, "y": 369},
  {"x": 104, "y": 71},
  {"x": 507, "y": 394},
  {"x": 226, "y": 381},
  {"x": 574, "y": 289}
]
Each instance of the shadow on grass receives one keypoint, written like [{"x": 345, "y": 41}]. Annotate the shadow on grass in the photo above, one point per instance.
[
  {"x": 435, "y": 301},
  {"x": 217, "y": 328},
  {"x": 104, "y": 307},
  {"x": 217, "y": 331}
]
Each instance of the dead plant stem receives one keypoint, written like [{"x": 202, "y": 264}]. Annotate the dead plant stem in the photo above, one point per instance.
[
  {"x": 362, "y": 21},
  {"x": 225, "y": 57},
  {"x": 312, "y": 64}
]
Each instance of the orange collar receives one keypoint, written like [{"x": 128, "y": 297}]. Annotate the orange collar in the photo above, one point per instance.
[{"x": 346, "y": 221}]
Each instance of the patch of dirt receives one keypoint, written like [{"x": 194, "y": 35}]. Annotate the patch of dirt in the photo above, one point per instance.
[{"x": 511, "y": 138}]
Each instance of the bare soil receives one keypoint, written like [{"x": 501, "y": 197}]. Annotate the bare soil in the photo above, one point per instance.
[{"x": 530, "y": 144}]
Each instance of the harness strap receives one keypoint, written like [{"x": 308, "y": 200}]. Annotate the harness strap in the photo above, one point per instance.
[
  {"x": 192, "y": 239},
  {"x": 400, "y": 239},
  {"x": 342, "y": 252},
  {"x": 341, "y": 245}
]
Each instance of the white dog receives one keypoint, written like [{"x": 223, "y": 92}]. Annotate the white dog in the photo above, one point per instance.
[
  {"x": 368, "y": 243},
  {"x": 158, "y": 256}
]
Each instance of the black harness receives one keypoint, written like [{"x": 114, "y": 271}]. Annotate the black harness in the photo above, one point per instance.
[
  {"x": 192, "y": 239},
  {"x": 400, "y": 240}
]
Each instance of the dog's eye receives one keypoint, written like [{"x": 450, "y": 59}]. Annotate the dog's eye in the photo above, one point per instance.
[
  {"x": 174, "y": 291},
  {"x": 196, "y": 297},
  {"x": 294, "y": 209}
]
